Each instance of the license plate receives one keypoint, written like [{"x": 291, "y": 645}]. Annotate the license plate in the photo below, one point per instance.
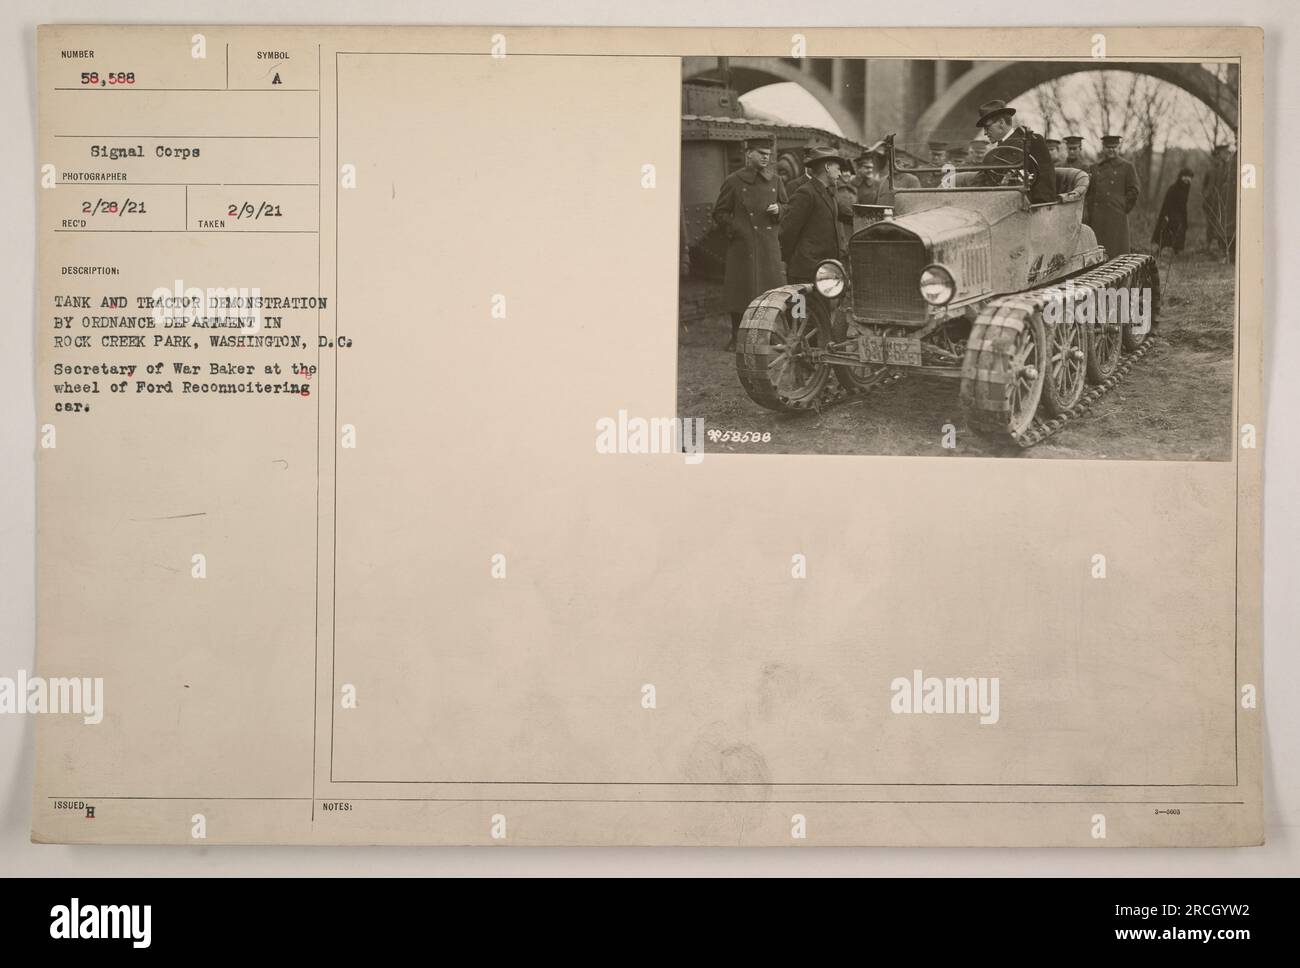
[{"x": 890, "y": 350}]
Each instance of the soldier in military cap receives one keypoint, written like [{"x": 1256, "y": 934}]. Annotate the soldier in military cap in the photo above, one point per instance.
[
  {"x": 1074, "y": 152},
  {"x": 1006, "y": 138},
  {"x": 976, "y": 151},
  {"x": 1112, "y": 194},
  {"x": 748, "y": 210},
  {"x": 1057, "y": 150},
  {"x": 875, "y": 184},
  {"x": 938, "y": 158}
]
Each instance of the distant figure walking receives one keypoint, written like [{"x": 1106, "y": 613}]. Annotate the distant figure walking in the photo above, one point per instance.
[{"x": 1171, "y": 223}]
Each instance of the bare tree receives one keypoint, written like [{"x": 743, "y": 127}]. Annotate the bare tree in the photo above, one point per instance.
[{"x": 1219, "y": 183}]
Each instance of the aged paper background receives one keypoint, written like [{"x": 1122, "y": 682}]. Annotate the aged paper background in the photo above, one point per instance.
[{"x": 521, "y": 697}]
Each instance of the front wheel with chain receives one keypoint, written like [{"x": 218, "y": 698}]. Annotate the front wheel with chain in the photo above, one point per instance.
[
  {"x": 1005, "y": 367},
  {"x": 774, "y": 352}
]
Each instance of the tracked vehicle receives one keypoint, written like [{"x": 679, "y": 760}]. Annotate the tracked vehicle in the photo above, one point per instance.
[{"x": 968, "y": 282}]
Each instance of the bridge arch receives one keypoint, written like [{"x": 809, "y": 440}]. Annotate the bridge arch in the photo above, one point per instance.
[
  {"x": 749, "y": 73},
  {"x": 958, "y": 106}
]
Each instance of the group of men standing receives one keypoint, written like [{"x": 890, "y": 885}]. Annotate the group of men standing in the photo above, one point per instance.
[{"x": 779, "y": 232}]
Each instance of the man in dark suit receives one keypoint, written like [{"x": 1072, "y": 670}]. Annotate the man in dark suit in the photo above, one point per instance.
[
  {"x": 809, "y": 225},
  {"x": 997, "y": 121}
]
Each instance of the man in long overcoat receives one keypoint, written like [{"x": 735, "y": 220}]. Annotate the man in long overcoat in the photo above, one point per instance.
[
  {"x": 748, "y": 209},
  {"x": 1112, "y": 193},
  {"x": 1171, "y": 223}
]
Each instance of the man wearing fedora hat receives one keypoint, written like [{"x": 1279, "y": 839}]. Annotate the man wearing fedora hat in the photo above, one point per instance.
[
  {"x": 845, "y": 189},
  {"x": 1112, "y": 194},
  {"x": 749, "y": 209},
  {"x": 1006, "y": 139},
  {"x": 810, "y": 224}
]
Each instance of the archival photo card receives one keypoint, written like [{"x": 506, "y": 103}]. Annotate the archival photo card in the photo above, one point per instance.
[{"x": 508, "y": 436}]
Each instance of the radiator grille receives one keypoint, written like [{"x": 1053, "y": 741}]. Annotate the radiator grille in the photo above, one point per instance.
[{"x": 886, "y": 276}]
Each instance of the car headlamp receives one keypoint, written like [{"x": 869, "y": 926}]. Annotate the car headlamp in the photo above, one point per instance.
[
  {"x": 830, "y": 278},
  {"x": 937, "y": 286}
]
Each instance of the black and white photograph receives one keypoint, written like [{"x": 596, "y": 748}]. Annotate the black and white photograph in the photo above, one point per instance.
[{"x": 959, "y": 258}]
